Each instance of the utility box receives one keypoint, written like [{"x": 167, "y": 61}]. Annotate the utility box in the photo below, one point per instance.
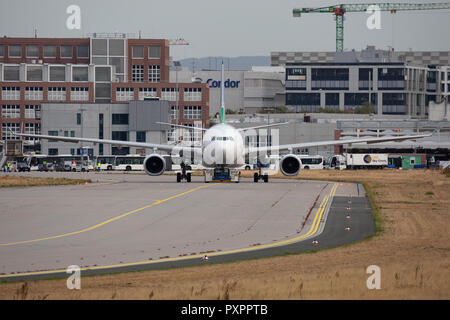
[{"x": 413, "y": 162}]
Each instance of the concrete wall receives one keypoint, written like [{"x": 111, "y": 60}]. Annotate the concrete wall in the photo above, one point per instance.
[{"x": 62, "y": 117}]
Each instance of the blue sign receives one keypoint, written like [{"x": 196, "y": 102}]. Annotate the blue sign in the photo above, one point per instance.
[{"x": 228, "y": 83}]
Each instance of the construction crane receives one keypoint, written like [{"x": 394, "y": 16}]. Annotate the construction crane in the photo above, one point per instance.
[{"x": 341, "y": 9}]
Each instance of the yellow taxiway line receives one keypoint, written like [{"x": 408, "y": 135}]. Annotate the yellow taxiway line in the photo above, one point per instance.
[
  {"x": 104, "y": 222},
  {"x": 311, "y": 232}
]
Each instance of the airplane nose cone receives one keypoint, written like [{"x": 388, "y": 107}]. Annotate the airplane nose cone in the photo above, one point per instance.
[{"x": 215, "y": 154}]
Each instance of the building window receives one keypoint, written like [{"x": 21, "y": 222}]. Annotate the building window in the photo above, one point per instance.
[
  {"x": 192, "y": 94},
  {"x": 174, "y": 112},
  {"x": 137, "y": 73},
  {"x": 140, "y": 136},
  {"x": 103, "y": 91},
  {"x": 49, "y": 51},
  {"x": 303, "y": 99},
  {"x": 15, "y": 51},
  {"x": 82, "y": 51},
  {"x": 116, "y": 151},
  {"x": 32, "y": 128},
  {"x": 124, "y": 94},
  {"x": 66, "y": 51},
  {"x": 34, "y": 73},
  {"x": 34, "y": 93},
  {"x": 329, "y": 78},
  {"x": 78, "y": 118},
  {"x": 119, "y": 135},
  {"x": 118, "y": 62},
  {"x": 7, "y": 128},
  {"x": 2, "y": 50},
  {"x": 100, "y": 126},
  {"x": 102, "y": 73},
  {"x": 147, "y": 93},
  {"x": 10, "y": 111},
  {"x": 192, "y": 112},
  {"x": 57, "y": 73},
  {"x": 32, "y": 51},
  {"x": 332, "y": 100},
  {"x": 154, "y": 52},
  {"x": 56, "y": 94},
  {"x": 10, "y": 93},
  {"x": 52, "y": 151},
  {"x": 79, "y": 94},
  {"x": 154, "y": 73},
  {"x": 295, "y": 84},
  {"x": 138, "y": 52},
  {"x": 295, "y": 73},
  {"x": 116, "y": 47},
  {"x": 11, "y": 73},
  {"x": 391, "y": 78},
  {"x": 33, "y": 112},
  {"x": 358, "y": 99},
  {"x": 394, "y": 103},
  {"x": 99, "y": 47},
  {"x": 194, "y": 135},
  {"x": 169, "y": 94},
  {"x": 120, "y": 118},
  {"x": 80, "y": 74}
]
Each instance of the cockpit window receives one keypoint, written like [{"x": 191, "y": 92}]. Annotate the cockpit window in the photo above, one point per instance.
[{"x": 222, "y": 138}]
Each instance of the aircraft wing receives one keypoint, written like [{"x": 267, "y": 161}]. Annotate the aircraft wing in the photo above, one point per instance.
[
  {"x": 181, "y": 126},
  {"x": 336, "y": 142},
  {"x": 262, "y": 126},
  {"x": 156, "y": 146}
]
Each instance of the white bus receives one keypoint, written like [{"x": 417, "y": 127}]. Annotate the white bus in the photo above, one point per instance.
[
  {"x": 106, "y": 162},
  {"x": 62, "y": 162},
  {"x": 131, "y": 162},
  {"x": 311, "y": 162}
]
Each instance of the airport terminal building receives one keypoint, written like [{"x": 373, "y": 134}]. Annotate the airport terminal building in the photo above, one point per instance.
[
  {"x": 78, "y": 73},
  {"x": 400, "y": 83},
  {"x": 247, "y": 91}
]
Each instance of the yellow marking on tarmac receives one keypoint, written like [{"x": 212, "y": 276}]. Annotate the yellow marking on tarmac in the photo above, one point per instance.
[
  {"x": 106, "y": 221},
  {"x": 311, "y": 232}
]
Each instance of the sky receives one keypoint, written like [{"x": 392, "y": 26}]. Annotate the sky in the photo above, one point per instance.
[{"x": 229, "y": 28}]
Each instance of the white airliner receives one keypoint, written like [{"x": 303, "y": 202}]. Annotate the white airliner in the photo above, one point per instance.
[{"x": 222, "y": 146}]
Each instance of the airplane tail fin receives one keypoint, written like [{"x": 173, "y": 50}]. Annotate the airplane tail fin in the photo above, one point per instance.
[{"x": 222, "y": 98}]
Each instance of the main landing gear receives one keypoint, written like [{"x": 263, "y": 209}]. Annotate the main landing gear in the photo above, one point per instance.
[
  {"x": 183, "y": 175},
  {"x": 261, "y": 175}
]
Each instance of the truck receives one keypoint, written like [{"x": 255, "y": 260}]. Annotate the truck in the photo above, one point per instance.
[{"x": 359, "y": 161}]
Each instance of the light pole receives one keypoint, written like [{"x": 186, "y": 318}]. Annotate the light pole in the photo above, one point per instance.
[
  {"x": 369, "y": 89},
  {"x": 177, "y": 64}
]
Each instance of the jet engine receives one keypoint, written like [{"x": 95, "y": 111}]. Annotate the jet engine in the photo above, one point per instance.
[
  {"x": 154, "y": 165},
  {"x": 290, "y": 165}
]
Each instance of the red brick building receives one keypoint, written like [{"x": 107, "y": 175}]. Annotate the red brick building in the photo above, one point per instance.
[{"x": 102, "y": 69}]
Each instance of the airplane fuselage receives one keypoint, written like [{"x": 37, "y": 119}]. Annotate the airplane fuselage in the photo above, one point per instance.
[{"x": 222, "y": 146}]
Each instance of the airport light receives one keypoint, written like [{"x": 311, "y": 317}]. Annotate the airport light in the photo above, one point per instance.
[{"x": 177, "y": 64}]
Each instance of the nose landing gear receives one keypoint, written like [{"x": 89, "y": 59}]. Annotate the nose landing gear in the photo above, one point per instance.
[
  {"x": 261, "y": 175},
  {"x": 183, "y": 175}
]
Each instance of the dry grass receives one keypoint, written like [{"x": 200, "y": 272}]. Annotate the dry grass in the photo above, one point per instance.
[
  {"x": 413, "y": 253},
  {"x": 20, "y": 181}
]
